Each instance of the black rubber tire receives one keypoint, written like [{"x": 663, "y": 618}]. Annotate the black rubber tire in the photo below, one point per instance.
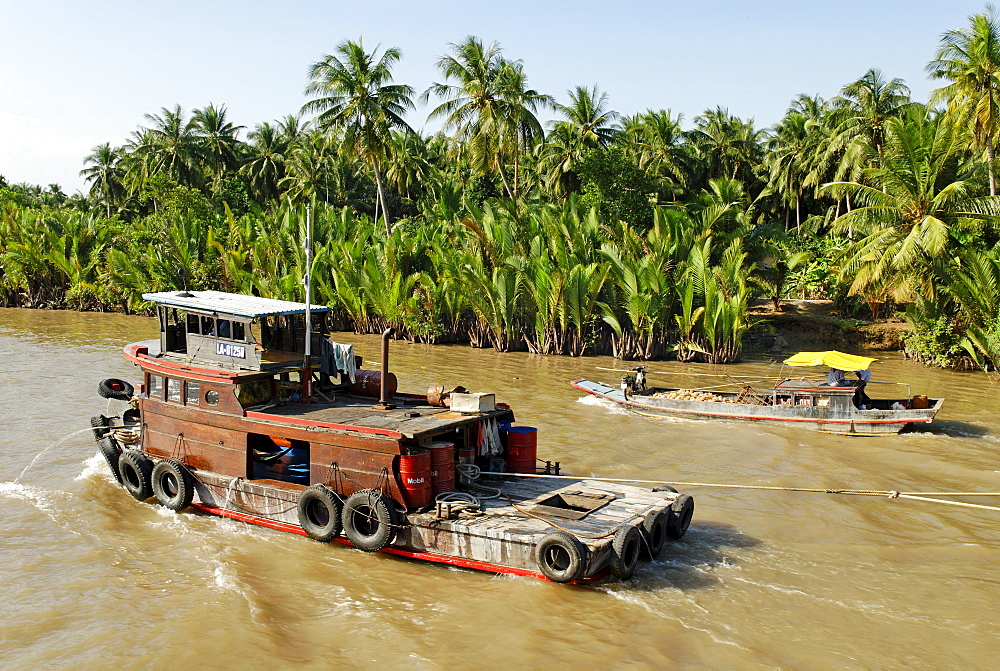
[
  {"x": 626, "y": 547},
  {"x": 654, "y": 533},
  {"x": 681, "y": 512},
  {"x": 99, "y": 423},
  {"x": 369, "y": 520},
  {"x": 172, "y": 484},
  {"x": 561, "y": 557},
  {"x": 136, "y": 470},
  {"x": 115, "y": 388},
  {"x": 320, "y": 513},
  {"x": 110, "y": 452}
]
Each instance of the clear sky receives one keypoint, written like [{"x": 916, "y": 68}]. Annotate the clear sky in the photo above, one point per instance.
[{"x": 76, "y": 74}]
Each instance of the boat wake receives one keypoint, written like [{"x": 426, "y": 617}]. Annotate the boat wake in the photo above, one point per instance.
[{"x": 610, "y": 406}]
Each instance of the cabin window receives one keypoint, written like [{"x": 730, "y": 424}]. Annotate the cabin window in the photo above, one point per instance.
[
  {"x": 224, "y": 330},
  {"x": 155, "y": 386},
  {"x": 191, "y": 396},
  {"x": 194, "y": 324},
  {"x": 781, "y": 399},
  {"x": 239, "y": 331},
  {"x": 254, "y": 393},
  {"x": 208, "y": 326},
  {"x": 173, "y": 390},
  {"x": 804, "y": 400},
  {"x": 212, "y": 397},
  {"x": 822, "y": 401}
]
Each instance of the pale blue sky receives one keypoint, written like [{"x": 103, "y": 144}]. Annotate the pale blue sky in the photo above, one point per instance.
[{"x": 75, "y": 74}]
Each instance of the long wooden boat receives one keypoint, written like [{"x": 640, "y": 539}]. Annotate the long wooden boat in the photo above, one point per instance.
[
  {"x": 799, "y": 402},
  {"x": 235, "y": 416}
]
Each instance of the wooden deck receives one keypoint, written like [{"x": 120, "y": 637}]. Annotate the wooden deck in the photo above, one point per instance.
[{"x": 410, "y": 418}]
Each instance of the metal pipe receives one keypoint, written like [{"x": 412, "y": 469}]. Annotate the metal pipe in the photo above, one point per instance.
[{"x": 383, "y": 392}]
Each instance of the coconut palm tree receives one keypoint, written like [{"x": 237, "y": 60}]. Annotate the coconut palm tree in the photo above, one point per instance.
[
  {"x": 919, "y": 195},
  {"x": 265, "y": 167},
  {"x": 588, "y": 117},
  {"x": 220, "y": 145},
  {"x": 355, "y": 94},
  {"x": 104, "y": 174},
  {"x": 489, "y": 106},
  {"x": 970, "y": 59},
  {"x": 171, "y": 147},
  {"x": 727, "y": 145}
]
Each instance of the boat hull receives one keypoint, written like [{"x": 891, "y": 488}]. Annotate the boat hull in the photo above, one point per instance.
[{"x": 848, "y": 421}]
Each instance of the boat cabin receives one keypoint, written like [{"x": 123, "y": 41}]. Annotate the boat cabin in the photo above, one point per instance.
[
  {"x": 810, "y": 394},
  {"x": 236, "y": 331}
]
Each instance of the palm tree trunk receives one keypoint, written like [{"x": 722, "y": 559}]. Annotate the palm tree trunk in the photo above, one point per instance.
[
  {"x": 989, "y": 166},
  {"x": 503, "y": 176},
  {"x": 381, "y": 196}
]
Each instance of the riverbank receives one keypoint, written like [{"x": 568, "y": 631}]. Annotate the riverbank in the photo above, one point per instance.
[{"x": 816, "y": 325}]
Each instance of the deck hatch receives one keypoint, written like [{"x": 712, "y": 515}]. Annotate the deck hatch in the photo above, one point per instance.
[{"x": 574, "y": 505}]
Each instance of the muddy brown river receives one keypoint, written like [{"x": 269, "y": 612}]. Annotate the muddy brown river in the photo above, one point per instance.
[{"x": 93, "y": 579}]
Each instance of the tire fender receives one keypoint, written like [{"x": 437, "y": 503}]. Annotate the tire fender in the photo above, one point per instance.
[
  {"x": 172, "y": 484},
  {"x": 99, "y": 423},
  {"x": 654, "y": 533},
  {"x": 369, "y": 520},
  {"x": 136, "y": 471},
  {"x": 626, "y": 547},
  {"x": 561, "y": 557},
  {"x": 115, "y": 388},
  {"x": 112, "y": 454},
  {"x": 681, "y": 512},
  {"x": 320, "y": 512}
]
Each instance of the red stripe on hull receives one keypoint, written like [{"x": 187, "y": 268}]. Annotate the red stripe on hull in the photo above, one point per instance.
[{"x": 425, "y": 556}]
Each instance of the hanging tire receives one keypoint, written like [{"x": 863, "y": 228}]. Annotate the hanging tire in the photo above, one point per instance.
[
  {"x": 561, "y": 557},
  {"x": 625, "y": 551},
  {"x": 681, "y": 511},
  {"x": 136, "y": 470},
  {"x": 172, "y": 484},
  {"x": 654, "y": 533},
  {"x": 109, "y": 450},
  {"x": 99, "y": 423},
  {"x": 115, "y": 388},
  {"x": 369, "y": 520},
  {"x": 320, "y": 513}
]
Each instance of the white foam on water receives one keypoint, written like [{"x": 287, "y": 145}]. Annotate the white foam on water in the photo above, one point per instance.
[
  {"x": 95, "y": 466},
  {"x": 42, "y": 500},
  {"x": 610, "y": 406},
  {"x": 226, "y": 581}
]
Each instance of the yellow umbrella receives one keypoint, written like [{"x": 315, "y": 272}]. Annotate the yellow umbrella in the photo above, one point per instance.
[{"x": 830, "y": 358}]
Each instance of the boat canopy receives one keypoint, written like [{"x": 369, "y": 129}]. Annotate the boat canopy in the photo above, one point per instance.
[
  {"x": 233, "y": 304},
  {"x": 831, "y": 358}
]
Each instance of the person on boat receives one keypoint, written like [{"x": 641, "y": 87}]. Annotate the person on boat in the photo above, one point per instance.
[
  {"x": 835, "y": 378},
  {"x": 860, "y": 397}
]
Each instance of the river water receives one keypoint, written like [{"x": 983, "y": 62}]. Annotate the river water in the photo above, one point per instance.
[{"x": 93, "y": 579}]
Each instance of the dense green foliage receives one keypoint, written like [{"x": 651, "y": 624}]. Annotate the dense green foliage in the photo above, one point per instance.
[{"x": 596, "y": 232}]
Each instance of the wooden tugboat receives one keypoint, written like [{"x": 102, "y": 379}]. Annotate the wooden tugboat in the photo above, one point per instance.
[
  {"x": 821, "y": 405},
  {"x": 240, "y": 414}
]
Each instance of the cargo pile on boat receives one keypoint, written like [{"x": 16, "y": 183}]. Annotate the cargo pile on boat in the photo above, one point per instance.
[{"x": 692, "y": 395}]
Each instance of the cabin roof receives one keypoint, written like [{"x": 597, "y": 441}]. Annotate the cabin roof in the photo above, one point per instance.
[{"x": 233, "y": 304}]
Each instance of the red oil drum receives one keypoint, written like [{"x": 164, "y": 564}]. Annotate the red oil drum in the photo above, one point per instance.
[
  {"x": 369, "y": 382},
  {"x": 522, "y": 449},
  {"x": 442, "y": 466},
  {"x": 415, "y": 478}
]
